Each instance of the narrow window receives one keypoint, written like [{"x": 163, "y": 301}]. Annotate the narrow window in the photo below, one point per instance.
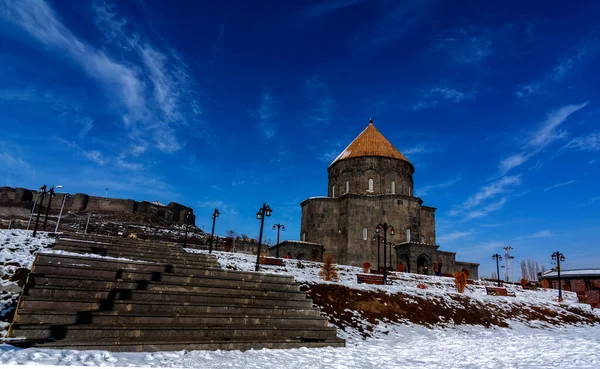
[
  {"x": 408, "y": 235},
  {"x": 393, "y": 187},
  {"x": 347, "y": 186},
  {"x": 304, "y": 236},
  {"x": 422, "y": 239},
  {"x": 370, "y": 184},
  {"x": 365, "y": 233},
  {"x": 409, "y": 191},
  {"x": 333, "y": 191}
]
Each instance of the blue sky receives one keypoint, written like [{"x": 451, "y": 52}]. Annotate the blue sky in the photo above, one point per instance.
[{"x": 231, "y": 104}]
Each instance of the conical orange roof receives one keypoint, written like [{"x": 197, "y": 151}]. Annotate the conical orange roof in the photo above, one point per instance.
[{"x": 370, "y": 142}]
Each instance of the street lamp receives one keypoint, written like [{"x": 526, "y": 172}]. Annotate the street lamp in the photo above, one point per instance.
[
  {"x": 51, "y": 192},
  {"x": 378, "y": 238},
  {"x": 385, "y": 228},
  {"x": 261, "y": 214},
  {"x": 282, "y": 227},
  {"x": 37, "y": 219},
  {"x": 391, "y": 268},
  {"x": 215, "y": 214},
  {"x": 558, "y": 257},
  {"x": 61, "y": 210},
  {"x": 508, "y": 257},
  {"x": 497, "y": 257},
  {"x": 187, "y": 223}
]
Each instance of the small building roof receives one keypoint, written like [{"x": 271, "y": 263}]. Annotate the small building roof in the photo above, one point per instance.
[
  {"x": 370, "y": 142},
  {"x": 590, "y": 272}
]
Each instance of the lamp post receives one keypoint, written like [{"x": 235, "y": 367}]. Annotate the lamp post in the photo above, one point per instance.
[
  {"x": 215, "y": 214},
  {"x": 385, "y": 228},
  {"x": 61, "y": 210},
  {"x": 51, "y": 192},
  {"x": 37, "y": 219},
  {"x": 187, "y": 223},
  {"x": 508, "y": 257},
  {"x": 558, "y": 257},
  {"x": 497, "y": 257},
  {"x": 391, "y": 268},
  {"x": 282, "y": 227},
  {"x": 263, "y": 212},
  {"x": 378, "y": 238}
]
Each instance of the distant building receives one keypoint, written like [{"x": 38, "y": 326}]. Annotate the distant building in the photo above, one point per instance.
[
  {"x": 584, "y": 282},
  {"x": 371, "y": 182}
]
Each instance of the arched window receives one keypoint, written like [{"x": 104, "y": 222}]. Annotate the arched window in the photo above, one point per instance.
[
  {"x": 333, "y": 191},
  {"x": 407, "y": 234},
  {"x": 304, "y": 236},
  {"x": 347, "y": 186},
  {"x": 370, "y": 184},
  {"x": 365, "y": 234},
  {"x": 393, "y": 187},
  {"x": 422, "y": 239}
]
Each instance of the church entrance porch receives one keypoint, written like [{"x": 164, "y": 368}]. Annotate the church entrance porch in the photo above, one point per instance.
[{"x": 423, "y": 264}]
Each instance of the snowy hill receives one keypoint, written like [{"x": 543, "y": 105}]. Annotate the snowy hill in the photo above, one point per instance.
[{"x": 402, "y": 325}]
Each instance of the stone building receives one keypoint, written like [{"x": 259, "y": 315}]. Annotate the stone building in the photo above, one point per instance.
[{"x": 371, "y": 183}]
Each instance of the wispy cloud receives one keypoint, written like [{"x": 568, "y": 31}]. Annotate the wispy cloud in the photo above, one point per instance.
[
  {"x": 318, "y": 94},
  {"x": 590, "y": 142},
  {"x": 561, "y": 184},
  {"x": 150, "y": 89},
  {"x": 479, "y": 205},
  {"x": 453, "y": 236},
  {"x": 468, "y": 47},
  {"x": 431, "y": 96},
  {"x": 592, "y": 200},
  {"x": 541, "y": 234},
  {"x": 267, "y": 114},
  {"x": 427, "y": 189},
  {"x": 584, "y": 50},
  {"x": 547, "y": 133},
  {"x": 326, "y": 7}
]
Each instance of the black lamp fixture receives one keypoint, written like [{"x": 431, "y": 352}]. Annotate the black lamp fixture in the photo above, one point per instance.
[
  {"x": 37, "y": 219},
  {"x": 215, "y": 215},
  {"x": 385, "y": 228},
  {"x": 558, "y": 257},
  {"x": 497, "y": 257},
  {"x": 278, "y": 227},
  {"x": 264, "y": 211}
]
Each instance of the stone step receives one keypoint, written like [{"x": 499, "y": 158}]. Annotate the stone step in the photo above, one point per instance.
[
  {"x": 186, "y": 332},
  {"x": 113, "y": 239},
  {"x": 113, "y": 317},
  {"x": 103, "y": 267},
  {"x": 161, "y": 307},
  {"x": 177, "y": 260},
  {"x": 195, "y": 286},
  {"x": 139, "y": 345},
  {"x": 135, "y": 296}
]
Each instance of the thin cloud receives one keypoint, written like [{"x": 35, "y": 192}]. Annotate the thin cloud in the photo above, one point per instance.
[
  {"x": 433, "y": 95},
  {"x": 318, "y": 94},
  {"x": 467, "y": 47},
  {"x": 451, "y": 237},
  {"x": 479, "y": 205},
  {"x": 427, "y": 189},
  {"x": 561, "y": 184},
  {"x": 149, "y": 90},
  {"x": 590, "y": 142},
  {"x": 329, "y": 7},
  {"x": 545, "y": 135},
  {"x": 541, "y": 234},
  {"x": 267, "y": 114}
]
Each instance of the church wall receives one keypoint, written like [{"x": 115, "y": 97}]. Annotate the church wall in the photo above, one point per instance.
[
  {"x": 358, "y": 171},
  {"x": 325, "y": 224},
  {"x": 428, "y": 224}
]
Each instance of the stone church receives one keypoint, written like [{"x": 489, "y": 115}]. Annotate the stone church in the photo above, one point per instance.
[{"x": 370, "y": 183}]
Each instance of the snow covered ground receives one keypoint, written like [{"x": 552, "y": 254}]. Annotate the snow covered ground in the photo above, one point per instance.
[
  {"x": 392, "y": 345},
  {"x": 403, "y": 347}
]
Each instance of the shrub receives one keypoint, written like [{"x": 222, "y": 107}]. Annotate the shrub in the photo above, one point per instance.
[
  {"x": 545, "y": 283},
  {"x": 460, "y": 280},
  {"x": 524, "y": 282},
  {"x": 422, "y": 286},
  {"x": 467, "y": 273},
  {"x": 328, "y": 271},
  {"x": 366, "y": 267},
  {"x": 400, "y": 267}
]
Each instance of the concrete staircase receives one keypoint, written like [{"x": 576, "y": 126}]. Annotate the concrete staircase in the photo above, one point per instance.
[{"x": 145, "y": 296}]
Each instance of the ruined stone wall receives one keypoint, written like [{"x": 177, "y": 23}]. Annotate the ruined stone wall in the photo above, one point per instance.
[
  {"x": 18, "y": 202},
  {"x": 358, "y": 171}
]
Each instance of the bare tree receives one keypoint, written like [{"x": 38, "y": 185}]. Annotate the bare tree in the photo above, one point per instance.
[
  {"x": 494, "y": 276},
  {"x": 543, "y": 269},
  {"x": 530, "y": 270},
  {"x": 537, "y": 271},
  {"x": 523, "y": 269}
]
